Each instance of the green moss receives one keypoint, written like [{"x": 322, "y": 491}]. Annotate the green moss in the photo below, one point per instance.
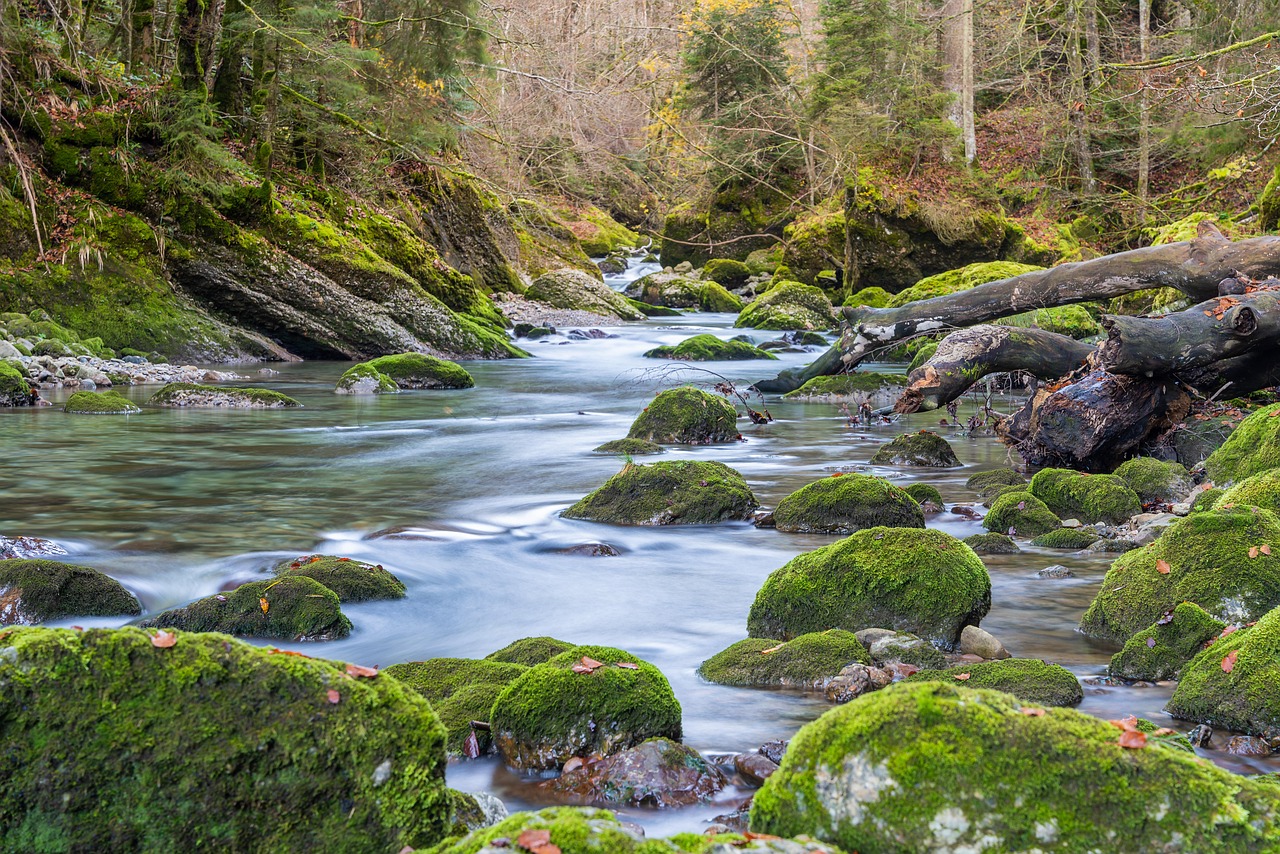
[
  {"x": 808, "y": 661},
  {"x": 1089, "y": 498},
  {"x": 713, "y": 297},
  {"x": 992, "y": 544},
  {"x": 1252, "y": 448},
  {"x": 418, "y": 370},
  {"x": 844, "y": 503},
  {"x": 872, "y": 297},
  {"x": 599, "y": 233},
  {"x": 845, "y": 385},
  {"x": 1207, "y": 555},
  {"x": 14, "y": 389},
  {"x": 708, "y": 348},
  {"x": 684, "y": 492},
  {"x": 1247, "y": 699},
  {"x": 191, "y": 394},
  {"x": 922, "y": 355},
  {"x": 1206, "y": 500},
  {"x": 1156, "y": 480},
  {"x": 954, "y": 281},
  {"x": 935, "y": 766},
  {"x": 100, "y": 403},
  {"x": 987, "y": 483},
  {"x": 726, "y": 272},
  {"x": 789, "y": 305},
  {"x": 550, "y": 713},
  {"x": 815, "y": 241},
  {"x": 461, "y": 690},
  {"x": 352, "y": 580},
  {"x": 530, "y": 651},
  {"x": 916, "y": 449},
  {"x": 1074, "y": 321},
  {"x": 111, "y": 743},
  {"x": 1269, "y": 203},
  {"x": 1067, "y": 538},
  {"x": 34, "y": 591},
  {"x": 1159, "y": 651},
  {"x": 1029, "y": 679},
  {"x": 652, "y": 310},
  {"x": 296, "y": 609},
  {"x": 923, "y": 492},
  {"x": 924, "y": 582},
  {"x": 366, "y": 379},
  {"x": 686, "y": 416},
  {"x": 1021, "y": 512},
  {"x": 577, "y": 291},
  {"x": 629, "y": 448},
  {"x": 1259, "y": 490}
]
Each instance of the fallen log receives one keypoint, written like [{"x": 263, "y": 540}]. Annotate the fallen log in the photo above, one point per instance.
[
  {"x": 790, "y": 380},
  {"x": 967, "y": 355}
]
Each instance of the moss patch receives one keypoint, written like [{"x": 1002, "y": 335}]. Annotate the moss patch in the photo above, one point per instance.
[
  {"x": 629, "y": 448},
  {"x": 685, "y": 492},
  {"x": 727, "y": 272},
  {"x": 100, "y": 403},
  {"x": 530, "y": 651},
  {"x": 839, "y": 386},
  {"x": 1259, "y": 490},
  {"x": 991, "y": 544},
  {"x": 988, "y": 483},
  {"x": 461, "y": 690},
  {"x": 1158, "y": 652},
  {"x": 1067, "y": 538},
  {"x": 1252, "y": 448},
  {"x": 577, "y": 291},
  {"x": 418, "y": 370},
  {"x": 872, "y": 297},
  {"x": 34, "y": 591},
  {"x": 924, "y": 493},
  {"x": 1022, "y": 513},
  {"x": 808, "y": 661},
  {"x": 365, "y": 379},
  {"x": 1089, "y": 498},
  {"x": 1247, "y": 699},
  {"x": 1029, "y": 679},
  {"x": 209, "y": 396},
  {"x": 845, "y": 503},
  {"x": 1206, "y": 500},
  {"x": 296, "y": 609},
  {"x": 1156, "y": 480},
  {"x": 352, "y": 580},
  {"x": 916, "y": 449},
  {"x": 686, "y": 416},
  {"x": 954, "y": 281},
  {"x": 709, "y": 348},
  {"x": 1074, "y": 321},
  {"x": 789, "y": 305}
]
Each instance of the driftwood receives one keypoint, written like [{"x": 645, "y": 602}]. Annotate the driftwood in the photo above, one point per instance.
[{"x": 967, "y": 355}]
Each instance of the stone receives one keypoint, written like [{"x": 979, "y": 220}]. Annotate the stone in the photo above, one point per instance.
[
  {"x": 1029, "y": 679},
  {"x": 678, "y": 492},
  {"x": 1090, "y": 498},
  {"x": 916, "y": 449},
  {"x": 290, "y": 608},
  {"x": 578, "y": 291},
  {"x": 1020, "y": 513},
  {"x": 352, "y": 580},
  {"x": 36, "y": 591},
  {"x": 461, "y": 690},
  {"x": 754, "y": 768},
  {"x": 807, "y": 662},
  {"x": 686, "y": 416},
  {"x": 976, "y": 641},
  {"x": 658, "y": 773},
  {"x": 28, "y": 547},
  {"x": 844, "y": 503},
  {"x": 1055, "y": 571},
  {"x": 191, "y": 395}
]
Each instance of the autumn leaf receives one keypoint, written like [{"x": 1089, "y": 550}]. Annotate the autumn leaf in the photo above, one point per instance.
[
  {"x": 537, "y": 841},
  {"x": 1164, "y": 730},
  {"x": 581, "y": 668},
  {"x": 963, "y": 677},
  {"x": 471, "y": 747},
  {"x": 592, "y": 663},
  {"x": 1162, "y": 567},
  {"x": 1253, "y": 551},
  {"x": 1132, "y": 740},
  {"x": 1032, "y": 712},
  {"x": 163, "y": 640},
  {"x": 314, "y": 559},
  {"x": 263, "y": 604},
  {"x": 334, "y": 697},
  {"x": 1151, "y": 642},
  {"x": 772, "y": 649},
  {"x": 628, "y": 665},
  {"x": 1229, "y": 663},
  {"x": 1265, "y": 549},
  {"x": 1129, "y": 723},
  {"x": 360, "y": 670}
]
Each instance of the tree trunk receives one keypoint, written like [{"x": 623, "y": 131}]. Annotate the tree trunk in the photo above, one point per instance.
[
  {"x": 1144, "y": 107},
  {"x": 197, "y": 23},
  {"x": 1078, "y": 97}
]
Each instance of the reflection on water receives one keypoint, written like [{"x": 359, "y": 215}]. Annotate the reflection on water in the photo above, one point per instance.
[{"x": 178, "y": 503}]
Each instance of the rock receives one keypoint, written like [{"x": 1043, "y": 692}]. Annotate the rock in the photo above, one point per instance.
[
  {"x": 1055, "y": 571},
  {"x": 1205, "y": 500},
  {"x": 473, "y": 811},
  {"x": 856, "y": 680},
  {"x": 686, "y": 416},
  {"x": 1260, "y": 490},
  {"x": 8, "y": 351},
  {"x": 295, "y": 609},
  {"x": 364, "y": 378},
  {"x": 653, "y": 310},
  {"x": 919, "y": 581},
  {"x": 844, "y": 503},
  {"x": 1109, "y": 544},
  {"x": 36, "y": 591},
  {"x": 754, "y": 768},
  {"x": 191, "y": 395},
  {"x": 1206, "y": 556},
  {"x": 680, "y": 492},
  {"x": 1248, "y": 745},
  {"x": 530, "y": 651},
  {"x": 845, "y": 387},
  {"x": 629, "y": 448},
  {"x": 589, "y": 334},
  {"x": 1155, "y": 480},
  {"x": 419, "y": 371},
  {"x": 590, "y": 550},
  {"x": 227, "y": 734},
  {"x": 925, "y": 495},
  {"x": 808, "y": 662},
  {"x": 1067, "y": 538},
  {"x": 540, "y": 332},
  {"x": 1252, "y": 448},
  {"x": 991, "y": 544},
  {"x": 612, "y": 265},
  {"x": 789, "y": 305},
  {"x": 1200, "y": 736},
  {"x": 774, "y": 750},
  {"x": 905, "y": 648},
  {"x": 667, "y": 289},
  {"x": 1022, "y": 513},
  {"x": 1030, "y": 680},
  {"x": 576, "y": 290},
  {"x": 1090, "y": 498},
  {"x": 28, "y": 547},
  {"x": 727, "y": 272},
  {"x": 352, "y": 580},
  {"x": 461, "y": 690},
  {"x": 658, "y": 773},
  {"x": 867, "y": 637},
  {"x": 965, "y": 770},
  {"x": 551, "y": 713},
  {"x": 976, "y": 641},
  {"x": 1072, "y": 523},
  {"x": 916, "y": 449},
  {"x": 1151, "y": 528},
  {"x": 709, "y": 348},
  {"x": 14, "y": 389}
]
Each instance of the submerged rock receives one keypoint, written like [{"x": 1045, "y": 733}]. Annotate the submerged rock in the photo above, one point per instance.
[
  {"x": 657, "y": 773},
  {"x": 100, "y": 403},
  {"x": 578, "y": 291},
  {"x": 461, "y": 690},
  {"x": 1087, "y": 497},
  {"x": 1022, "y": 513},
  {"x": 991, "y": 544},
  {"x": 28, "y": 547},
  {"x": 118, "y": 741},
  {"x": 916, "y": 449},
  {"x": 1028, "y": 679},
  {"x": 808, "y": 661},
  {"x": 630, "y": 448},
  {"x": 420, "y": 371},
  {"x": 295, "y": 609},
  {"x": 844, "y": 503},
  {"x": 1067, "y": 538},
  {"x": 1160, "y": 651},
  {"x": 470, "y": 811},
  {"x": 191, "y": 395},
  {"x": 709, "y": 348},
  {"x": 680, "y": 492},
  {"x": 36, "y": 591},
  {"x": 686, "y": 416},
  {"x": 352, "y": 580}
]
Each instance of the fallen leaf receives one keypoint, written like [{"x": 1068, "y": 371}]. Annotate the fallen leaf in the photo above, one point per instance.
[
  {"x": 1151, "y": 642},
  {"x": 1162, "y": 567},
  {"x": 163, "y": 640},
  {"x": 1253, "y": 551},
  {"x": 263, "y": 604},
  {"x": 1032, "y": 712},
  {"x": 1133, "y": 740},
  {"x": 1265, "y": 549},
  {"x": 360, "y": 670},
  {"x": 582, "y": 668},
  {"x": 334, "y": 697},
  {"x": 963, "y": 677},
  {"x": 471, "y": 747},
  {"x": 1229, "y": 663},
  {"x": 592, "y": 663},
  {"x": 1129, "y": 723},
  {"x": 838, "y": 474},
  {"x": 537, "y": 841},
  {"x": 1164, "y": 730},
  {"x": 772, "y": 649},
  {"x": 314, "y": 559},
  {"x": 628, "y": 665}
]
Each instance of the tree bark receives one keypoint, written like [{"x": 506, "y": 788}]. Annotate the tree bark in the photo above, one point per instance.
[
  {"x": 1144, "y": 107},
  {"x": 1077, "y": 95}
]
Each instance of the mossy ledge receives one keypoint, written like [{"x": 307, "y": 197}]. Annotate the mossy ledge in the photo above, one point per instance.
[
  {"x": 192, "y": 395},
  {"x": 296, "y": 609}
]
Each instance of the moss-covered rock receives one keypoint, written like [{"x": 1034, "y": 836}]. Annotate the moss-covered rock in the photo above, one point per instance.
[
  {"x": 924, "y": 354},
  {"x": 678, "y": 492},
  {"x": 924, "y": 582},
  {"x": 924, "y": 493},
  {"x": 191, "y": 395},
  {"x": 714, "y": 297},
  {"x": 553, "y": 712},
  {"x": 1022, "y": 513},
  {"x": 418, "y": 370},
  {"x": 578, "y": 291},
  {"x": 1029, "y": 679},
  {"x": 872, "y": 297},
  {"x": 352, "y": 580},
  {"x": 988, "y": 483},
  {"x": 629, "y": 448},
  {"x": 14, "y": 390},
  {"x": 1087, "y": 497},
  {"x": 845, "y": 386},
  {"x": 653, "y": 310},
  {"x": 364, "y": 378},
  {"x": 844, "y": 503},
  {"x": 1156, "y": 480},
  {"x": 789, "y": 305},
  {"x": 991, "y": 544},
  {"x": 1259, "y": 490},
  {"x": 686, "y": 416},
  {"x": 530, "y": 651},
  {"x": 1206, "y": 499},
  {"x": 708, "y": 348},
  {"x": 808, "y": 661},
  {"x": 35, "y": 591},
  {"x": 296, "y": 609},
  {"x": 1067, "y": 538},
  {"x": 468, "y": 812},
  {"x": 726, "y": 272},
  {"x": 954, "y": 281},
  {"x": 1159, "y": 651},
  {"x": 115, "y": 742},
  {"x": 100, "y": 403},
  {"x": 1252, "y": 448},
  {"x": 1235, "y": 683},
  {"x": 1203, "y": 558},
  {"x": 668, "y": 290},
  {"x": 933, "y": 766},
  {"x": 924, "y": 449},
  {"x": 461, "y": 690},
  {"x": 905, "y": 648}
]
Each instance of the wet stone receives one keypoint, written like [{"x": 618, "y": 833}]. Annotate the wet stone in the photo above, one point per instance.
[
  {"x": 1055, "y": 571},
  {"x": 1249, "y": 745},
  {"x": 754, "y": 768},
  {"x": 590, "y": 550}
]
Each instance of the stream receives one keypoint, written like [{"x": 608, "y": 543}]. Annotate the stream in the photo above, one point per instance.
[{"x": 180, "y": 504}]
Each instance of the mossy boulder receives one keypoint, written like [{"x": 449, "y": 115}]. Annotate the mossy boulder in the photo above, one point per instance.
[
  {"x": 686, "y": 416},
  {"x": 924, "y": 354},
  {"x": 530, "y": 651},
  {"x": 553, "y": 712},
  {"x": 629, "y": 448},
  {"x": 845, "y": 386},
  {"x": 14, "y": 390},
  {"x": 579, "y": 291},
  {"x": 708, "y": 348},
  {"x": 1067, "y": 538},
  {"x": 1022, "y": 513},
  {"x": 1157, "y": 480},
  {"x": 789, "y": 305},
  {"x": 1206, "y": 499},
  {"x": 1252, "y": 448},
  {"x": 294, "y": 609},
  {"x": 192, "y": 395},
  {"x": 668, "y": 290},
  {"x": 116, "y": 742},
  {"x": 677, "y": 492},
  {"x": 1029, "y": 679},
  {"x": 726, "y": 272},
  {"x": 1203, "y": 558},
  {"x": 954, "y": 281},
  {"x": 1259, "y": 490},
  {"x": 1087, "y": 497},
  {"x": 924, "y": 493},
  {"x": 924, "y": 582},
  {"x": 715, "y": 298},
  {"x": 991, "y": 544},
  {"x": 988, "y": 483},
  {"x": 35, "y": 591},
  {"x": 352, "y": 580},
  {"x": 1235, "y": 683},
  {"x": 365, "y": 379},
  {"x": 872, "y": 297},
  {"x": 461, "y": 690},
  {"x": 844, "y": 503},
  {"x": 418, "y": 370},
  {"x": 468, "y": 812},
  {"x": 924, "y": 449},
  {"x": 100, "y": 403},
  {"x": 1159, "y": 651},
  {"x": 933, "y": 766},
  {"x": 808, "y": 661}
]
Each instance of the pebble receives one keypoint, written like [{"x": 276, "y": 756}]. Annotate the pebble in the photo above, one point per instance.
[
  {"x": 976, "y": 641},
  {"x": 754, "y": 768},
  {"x": 1201, "y": 735},
  {"x": 90, "y": 373}
]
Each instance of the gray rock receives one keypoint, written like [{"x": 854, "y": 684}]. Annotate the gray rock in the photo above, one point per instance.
[
  {"x": 867, "y": 637},
  {"x": 1055, "y": 571},
  {"x": 976, "y": 641},
  {"x": 28, "y": 547}
]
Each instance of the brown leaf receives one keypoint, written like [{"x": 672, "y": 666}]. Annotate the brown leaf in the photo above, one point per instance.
[
  {"x": 263, "y": 604},
  {"x": 163, "y": 640},
  {"x": 573, "y": 764},
  {"x": 1133, "y": 740},
  {"x": 963, "y": 677},
  {"x": 334, "y": 697},
  {"x": 532, "y": 840},
  {"x": 471, "y": 747},
  {"x": 1129, "y": 723},
  {"x": 592, "y": 663},
  {"x": 1162, "y": 567},
  {"x": 1032, "y": 712},
  {"x": 1229, "y": 663},
  {"x": 1164, "y": 730},
  {"x": 1253, "y": 551},
  {"x": 627, "y": 665},
  {"x": 361, "y": 670},
  {"x": 582, "y": 668},
  {"x": 1265, "y": 549}
]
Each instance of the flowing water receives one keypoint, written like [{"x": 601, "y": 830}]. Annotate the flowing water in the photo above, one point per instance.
[{"x": 179, "y": 504}]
